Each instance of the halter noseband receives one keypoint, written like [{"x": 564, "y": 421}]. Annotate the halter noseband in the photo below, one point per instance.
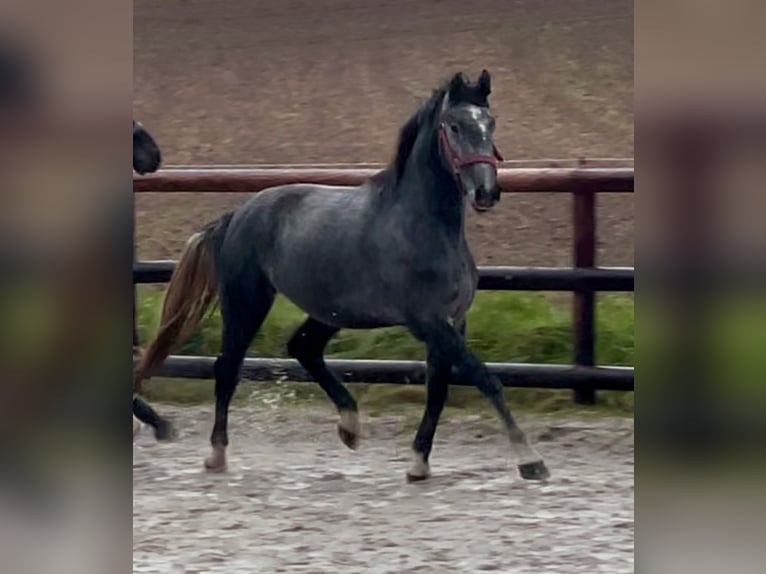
[{"x": 457, "y": 162}]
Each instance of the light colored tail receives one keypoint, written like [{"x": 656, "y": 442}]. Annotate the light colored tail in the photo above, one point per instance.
[{"x": 191, "y": 292}]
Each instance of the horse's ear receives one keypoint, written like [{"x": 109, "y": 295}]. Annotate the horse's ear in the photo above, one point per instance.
[
  {"x": 485, "y": 83},
  {"x": 457, "y": 82}
]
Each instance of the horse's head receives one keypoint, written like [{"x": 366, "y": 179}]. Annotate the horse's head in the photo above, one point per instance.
[
  {"x": 146, "y": 152},
  {"x": 466, "y": 131}
]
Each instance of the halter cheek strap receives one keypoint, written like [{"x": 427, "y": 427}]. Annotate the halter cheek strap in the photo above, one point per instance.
[{"x": 456, "y": 162}]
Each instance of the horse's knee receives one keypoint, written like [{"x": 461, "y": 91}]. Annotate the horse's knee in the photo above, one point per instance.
[{"x": 473, "y": 371}]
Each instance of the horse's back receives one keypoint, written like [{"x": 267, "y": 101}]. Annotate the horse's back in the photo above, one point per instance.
[
  {"x": 312, "y": 242},
  {"x": 295, "y": 213}
]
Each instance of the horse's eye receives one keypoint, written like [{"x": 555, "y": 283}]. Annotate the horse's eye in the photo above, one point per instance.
[{"x": 454, "y": 128}]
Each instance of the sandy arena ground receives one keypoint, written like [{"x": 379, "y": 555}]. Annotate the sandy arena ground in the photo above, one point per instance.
[{"x": 296, "y": 500}]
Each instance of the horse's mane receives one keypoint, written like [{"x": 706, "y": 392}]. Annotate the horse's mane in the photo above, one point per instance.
[{"x": 460, "y": 92}]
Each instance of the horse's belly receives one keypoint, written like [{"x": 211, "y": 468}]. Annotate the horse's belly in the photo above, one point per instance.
[{"x": 346, "y": 305}]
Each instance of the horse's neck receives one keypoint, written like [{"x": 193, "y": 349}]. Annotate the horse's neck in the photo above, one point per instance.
[{"x": 433, "y": 192}]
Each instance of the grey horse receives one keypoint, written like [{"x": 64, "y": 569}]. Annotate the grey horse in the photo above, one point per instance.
[{"x": 391, "y": 251}]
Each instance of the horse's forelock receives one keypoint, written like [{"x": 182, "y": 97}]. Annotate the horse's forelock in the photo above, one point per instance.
[{"x": 469, "y": 94}]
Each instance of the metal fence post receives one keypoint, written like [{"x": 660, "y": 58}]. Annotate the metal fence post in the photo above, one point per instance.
[{"x": 584, "y": 331}]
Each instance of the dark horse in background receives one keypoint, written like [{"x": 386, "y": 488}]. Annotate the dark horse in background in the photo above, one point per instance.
[
  {"x": 146, "y": 159},
  {"x": 391, "y": 251},
  {"x": 146, "y": 153}
]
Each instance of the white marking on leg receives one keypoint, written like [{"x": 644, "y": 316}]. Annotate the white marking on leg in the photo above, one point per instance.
[
  {"x": 349, "y": 421},
  {"x": 216, "y": 462},
  {"x": 420, "y": 468},
  {"x": 525, "y": 452}
]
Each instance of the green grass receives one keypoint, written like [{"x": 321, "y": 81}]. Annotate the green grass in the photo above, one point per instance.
[{"x": 517, "y": 327}]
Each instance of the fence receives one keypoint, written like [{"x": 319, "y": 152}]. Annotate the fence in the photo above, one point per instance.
[{"x": 584, "y": 279}]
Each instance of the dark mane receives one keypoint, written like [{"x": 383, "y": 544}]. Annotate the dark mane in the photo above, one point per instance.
[{"x": 460, "y": 92}]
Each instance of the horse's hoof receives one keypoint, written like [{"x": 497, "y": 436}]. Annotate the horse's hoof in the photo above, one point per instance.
[
  {"x": 420, "y": 470},
  {"x": 164, "y": 431},
  {"x": 412, "y": 477},
  {"x": 348, "y": 429},
  {"x": 213, "y": 466},
  {"x": 534, "y": 470},
  {"x": 216, "y": 462},
  {"x": 349, "y": 438}
]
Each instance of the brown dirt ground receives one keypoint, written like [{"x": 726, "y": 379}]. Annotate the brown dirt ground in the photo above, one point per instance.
[{"x": 302, "y": 81}]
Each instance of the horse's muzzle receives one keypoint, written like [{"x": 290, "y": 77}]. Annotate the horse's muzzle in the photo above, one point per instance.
[{"x": 483, "y": 199}]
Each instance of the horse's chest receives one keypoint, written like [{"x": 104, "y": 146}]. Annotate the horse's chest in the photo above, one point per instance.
[
  {"x": 463, "y": 289},
  {"x": 451, "y": 282}
]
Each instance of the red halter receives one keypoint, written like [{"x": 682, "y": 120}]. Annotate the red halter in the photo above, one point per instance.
[{"x": 457, "y": 162}]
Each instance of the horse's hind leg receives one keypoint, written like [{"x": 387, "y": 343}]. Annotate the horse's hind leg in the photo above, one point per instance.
[
  {"x": 307, "y": 345},
  {"x": 243, "y": 312},
  {"x": 142, "y": 411}
]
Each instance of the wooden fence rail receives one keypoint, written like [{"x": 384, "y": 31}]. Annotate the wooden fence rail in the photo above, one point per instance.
[{"x": 584, "y": 279}]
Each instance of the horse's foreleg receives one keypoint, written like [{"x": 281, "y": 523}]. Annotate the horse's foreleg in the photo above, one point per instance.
[
  {"x": 439, "y": 335},
  {"x": 307, "y": 346},
  {"x": 437, "y": 388}
]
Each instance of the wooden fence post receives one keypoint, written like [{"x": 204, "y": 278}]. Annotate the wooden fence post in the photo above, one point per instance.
[{"x": 584, "y": 331}]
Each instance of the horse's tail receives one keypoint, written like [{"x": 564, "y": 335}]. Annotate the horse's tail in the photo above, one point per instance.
[{"x": 191, "y": 292}]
